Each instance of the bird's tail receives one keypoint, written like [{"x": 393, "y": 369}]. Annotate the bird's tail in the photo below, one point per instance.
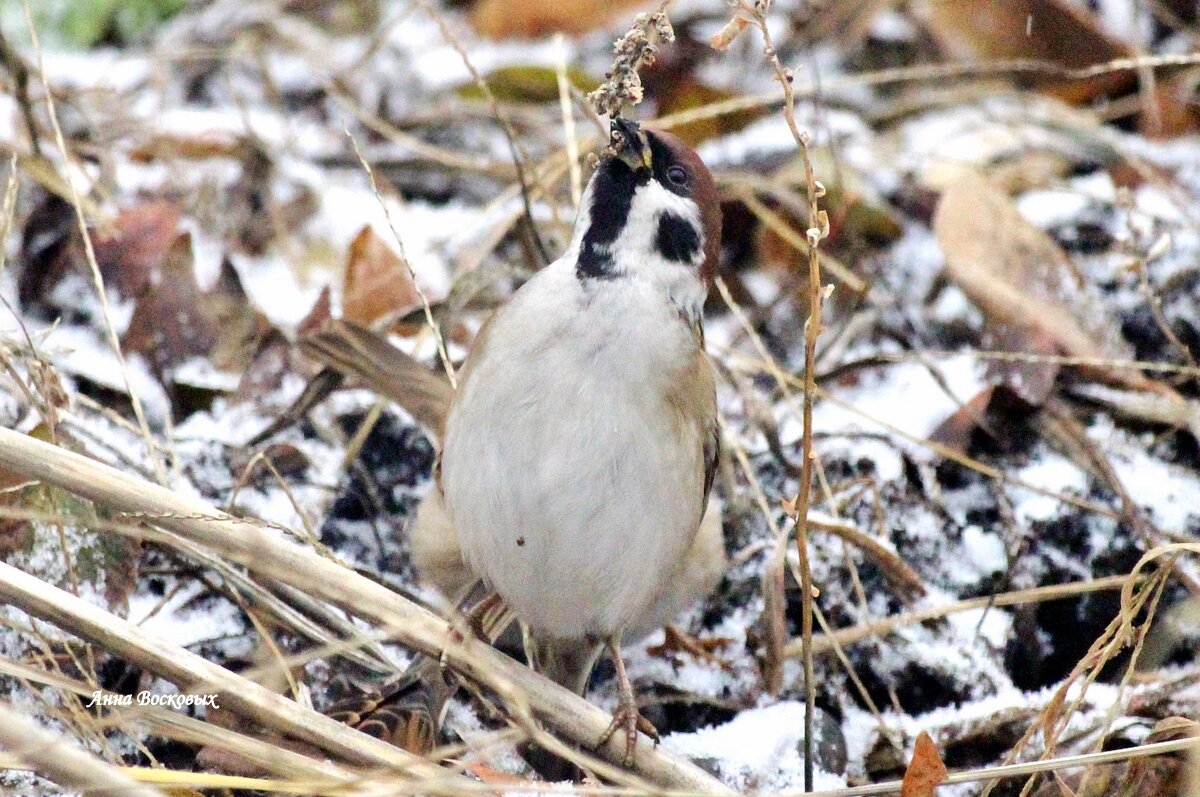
[{"x": 567, "y": 662}]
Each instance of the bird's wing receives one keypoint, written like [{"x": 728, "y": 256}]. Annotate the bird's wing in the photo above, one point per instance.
[
  {"x": 692, "y": 397},
  {"x": 712, "y": 453}
]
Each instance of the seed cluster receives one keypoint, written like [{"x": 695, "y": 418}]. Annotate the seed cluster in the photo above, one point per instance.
[{"x": 635, "y": 49}]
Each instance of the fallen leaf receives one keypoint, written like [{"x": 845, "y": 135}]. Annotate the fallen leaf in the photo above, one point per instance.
[
  {"x": 320, "y": 313},
  {"x": 1034, "y": 298},
  {"x": 688, "y": 94},
  {"x": 925, "y": 770},
  {"x": 1158, "y": 406},
  {"x": 130, "y": 259},
  {"x": 129, "y": 253},
  {"x": 495, "y": 777},
  {"x": 377, "y": 282},
  {"x": 203, "y": 145},
  {"x": 271, "y": 363},
  {"x": 528, "y": 83},
  {"x": 174, "y": 321},
  {"x": 1050, "y": 31},
  {"x": 957, "y": 430},
  {"x": 501, "y": 19}
]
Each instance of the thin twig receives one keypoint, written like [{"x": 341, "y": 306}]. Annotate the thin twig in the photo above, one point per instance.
[
  {"x": 412, "y": 275},
  {"x": 16, "y": 67},
  {"x": 90, "y": 252},
  {"x": 888, "y": 625},
  {"x": 756, "y": 13},
  {"x": 510, "y": 134},
  {"x": 269, "y": 554},
  {"x": 62, "y": 761}
]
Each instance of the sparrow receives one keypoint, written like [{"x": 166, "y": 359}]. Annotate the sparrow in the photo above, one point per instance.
[
  {"x": 582, "y": 441},
  {"x": 407, "y": 710}
]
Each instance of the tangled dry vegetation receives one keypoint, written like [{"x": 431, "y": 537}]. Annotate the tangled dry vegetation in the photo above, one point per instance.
[{"x": 956, "y": 332}]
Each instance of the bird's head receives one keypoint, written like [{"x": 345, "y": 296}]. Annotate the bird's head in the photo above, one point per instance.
[{"x": 651, "y": 212}]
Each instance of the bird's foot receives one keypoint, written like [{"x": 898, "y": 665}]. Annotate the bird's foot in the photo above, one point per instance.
[{"x": 626, "y": 716}]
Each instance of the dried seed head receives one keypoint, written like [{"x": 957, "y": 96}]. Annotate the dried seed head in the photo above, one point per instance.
[{"x": 631, "y": 52}]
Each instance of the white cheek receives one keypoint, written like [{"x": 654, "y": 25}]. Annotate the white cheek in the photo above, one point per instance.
[
  {"x": 650, "y": 203},
  {"x": 635, "y": 251}
]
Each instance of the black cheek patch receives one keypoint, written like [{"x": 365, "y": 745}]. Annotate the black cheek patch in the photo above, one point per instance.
[{"x": 677, "y": 238}]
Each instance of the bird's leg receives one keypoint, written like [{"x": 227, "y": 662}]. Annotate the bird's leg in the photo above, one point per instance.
[{"x": 626, "y": 715}]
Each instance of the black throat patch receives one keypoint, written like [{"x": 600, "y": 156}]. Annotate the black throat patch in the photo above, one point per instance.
[
  {"x": 612, "y": 196},
  {"x": 677, "y": 239}
]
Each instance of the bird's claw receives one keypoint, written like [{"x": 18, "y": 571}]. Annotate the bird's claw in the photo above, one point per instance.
[{"x": 627, "y": 717}]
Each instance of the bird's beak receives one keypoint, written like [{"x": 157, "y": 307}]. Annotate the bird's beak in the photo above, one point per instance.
[{"x": 630, "y": 145}]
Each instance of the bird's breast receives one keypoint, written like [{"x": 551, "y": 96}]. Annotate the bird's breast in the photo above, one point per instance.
[{"x": 571, "y": 475}]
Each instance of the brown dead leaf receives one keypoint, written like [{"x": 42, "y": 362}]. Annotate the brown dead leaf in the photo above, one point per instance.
[
  {"x": 1036, "y": 302},
  {"x": 495, "y": 777},
  {"x": 320, "y": 313},
  {"x": 174, "y": 320},
  {"x": 130, "y": 258},
  {"x": 203, "y": 145},
  {"x": 925, "y": 770},
  {"x": 377, "y": 282},
  {"x": 689, "y": 93},
  {"x": 1051, "y": 31},
  {"x": 502, "y": 19},
  {"x": 272, "y": 361},
  {"x": 1034, "y": 298},
  {"x": 957, "y": 430},
  {"x": 130, "y": 252},
  {"x": 1172, "y": 728},
  {"x": 1177, "y": 110}
]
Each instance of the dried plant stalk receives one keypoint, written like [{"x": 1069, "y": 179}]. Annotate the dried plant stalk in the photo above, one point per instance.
[
  {"x": 632, "y": 51},
  {"x": 190, "y": 671},
  {"x": 63, "y": 762},
  {"x": 755, "y": 12},
  {"x": 264, "y": 551}
]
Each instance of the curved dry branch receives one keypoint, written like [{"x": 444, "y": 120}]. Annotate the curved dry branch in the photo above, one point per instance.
[{"x": 265, "y": 551}]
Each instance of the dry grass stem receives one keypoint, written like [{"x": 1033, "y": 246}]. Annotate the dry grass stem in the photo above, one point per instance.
[
  {"x": 266, "y": 554},
  {"x": 114, "y": 340},
  {"x": 756, "y": 12},
  {"x": 879, "y": 628},
  {"x": 62, "y": 761},
  {"x": 430, "y": 321},
  {"x": 196, "y": 675}
]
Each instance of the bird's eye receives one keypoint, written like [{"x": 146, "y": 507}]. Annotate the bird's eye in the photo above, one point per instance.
[{"x": 677, "y": 175}]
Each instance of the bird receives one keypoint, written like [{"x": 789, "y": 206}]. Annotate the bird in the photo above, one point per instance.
[
  {"x": 407, "y": 709},
  {"x": 582, "y": 440}
]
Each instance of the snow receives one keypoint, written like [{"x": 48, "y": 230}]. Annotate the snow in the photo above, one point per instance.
[
  {"x": 904, "y": 395},
  {"x": 171, "y": 621},
  {"x": 984, "y": 550},
  {"x": 1170, "y": 493},
  {"x": 83, "y": 353},
  {"x": 759, "y": 750},
  {"x": 273, "y": 286}
]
